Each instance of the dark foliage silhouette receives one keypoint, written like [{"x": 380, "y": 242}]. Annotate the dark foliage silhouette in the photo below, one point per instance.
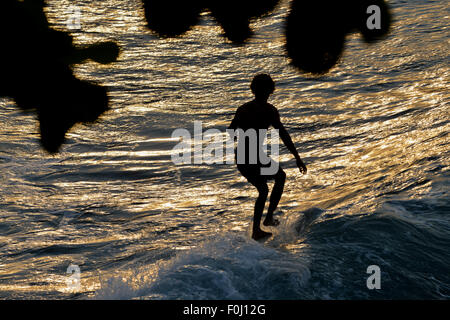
[
  {"x": 37, "y": 74},
  {"x": 234, "y": 16},
  {"x": 316, "y": 30},
  {"x": 36, "y": 64},
  {"x": 170, "y": 18}
]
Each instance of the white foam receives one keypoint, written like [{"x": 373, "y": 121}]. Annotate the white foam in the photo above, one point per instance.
[{"x": 230, "y": 267}]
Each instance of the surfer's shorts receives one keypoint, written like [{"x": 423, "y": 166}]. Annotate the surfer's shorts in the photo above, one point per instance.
[{"x": 254, "y": 172}]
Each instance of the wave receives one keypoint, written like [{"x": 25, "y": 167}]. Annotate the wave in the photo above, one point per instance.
[
  {"x": 314, "y": 254},
  {"x": 230, "y": 267}
]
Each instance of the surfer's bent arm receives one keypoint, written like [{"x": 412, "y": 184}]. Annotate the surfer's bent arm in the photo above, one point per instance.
[
  {"x": 233, "y": 126},
  {"x": 286, "y": 138},
  {"x": 284, "y": 135},
  {"x": 234, "y": 123}
]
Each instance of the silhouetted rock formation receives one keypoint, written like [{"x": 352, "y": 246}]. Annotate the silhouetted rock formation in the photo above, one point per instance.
[
  {"x": 36, "y": 71},
  {"x": 316, "y": 30}
]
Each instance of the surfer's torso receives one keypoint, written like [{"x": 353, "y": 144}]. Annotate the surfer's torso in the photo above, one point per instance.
[{"x": 255, "y": 115}]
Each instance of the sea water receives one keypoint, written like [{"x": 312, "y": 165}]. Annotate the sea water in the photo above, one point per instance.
[{"x": 112, "y": 217}]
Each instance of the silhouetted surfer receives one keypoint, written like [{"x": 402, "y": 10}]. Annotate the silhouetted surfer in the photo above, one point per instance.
[{"x": 259, "y": 114}]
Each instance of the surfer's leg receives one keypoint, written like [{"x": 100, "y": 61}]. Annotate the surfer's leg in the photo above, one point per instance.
[
  {"x": 275, "y": 197},
  {"x": 263, "y": 191},
  {"x": 253, "y": 175}
]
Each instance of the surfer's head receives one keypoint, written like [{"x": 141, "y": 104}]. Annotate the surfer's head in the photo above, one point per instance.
[{"x": 262, "y": 86}]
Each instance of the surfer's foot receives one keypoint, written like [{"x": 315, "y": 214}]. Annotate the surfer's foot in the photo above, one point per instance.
[
  {"x": 259, "y": 234},
  {"x": 271, "y": 222}
]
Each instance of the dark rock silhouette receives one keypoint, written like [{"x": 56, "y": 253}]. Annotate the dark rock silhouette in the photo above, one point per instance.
[
  {"x": 316, "y": 30},
  {"x": 37, "y": 74}
]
